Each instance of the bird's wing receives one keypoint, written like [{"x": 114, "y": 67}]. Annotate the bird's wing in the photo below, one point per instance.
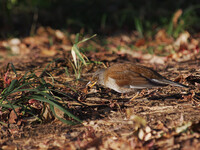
[{"x": 130, "y": 79}]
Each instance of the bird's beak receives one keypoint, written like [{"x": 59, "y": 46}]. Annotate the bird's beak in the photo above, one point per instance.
[{"x": 91, "y": 84}]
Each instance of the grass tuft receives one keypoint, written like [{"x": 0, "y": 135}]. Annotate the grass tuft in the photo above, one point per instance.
[
  {"x": 28, "y": 87},
  {"x": 79, "y": 59}
]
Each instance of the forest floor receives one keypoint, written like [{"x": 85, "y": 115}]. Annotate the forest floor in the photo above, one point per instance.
[{"x": 159, "y": 118}]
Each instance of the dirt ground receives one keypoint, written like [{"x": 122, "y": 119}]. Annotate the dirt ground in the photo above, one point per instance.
[{"x": 159, "y": 118}]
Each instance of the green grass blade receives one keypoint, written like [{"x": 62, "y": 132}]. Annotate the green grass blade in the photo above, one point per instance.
[
  {"x": 86, "y": 39},
  {"x": 69, "y": 97},
  {"x": 12, "y": 66},
  {"x": 48, "y": 66},
  {"x": 9, "y": 106},
  {"x": 138, "y": 26},
  {"x": 3, "y": 123},
  {"x": 77, "y": 38},
  {"x": 78, "y": 54},
  {"x": 63, "y": 120},
  {"x": 43, "y": 99},
  {"x": 18, "y": 89},
  {"x": 37, "y": 92},
  {"x": 11, "y": 86}
]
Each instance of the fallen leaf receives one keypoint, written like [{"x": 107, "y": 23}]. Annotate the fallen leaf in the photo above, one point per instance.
[
  {"x": 35, "y": 104},
  {"x": 7, "y": 80},
  {"x": 49, "y": 52},
  {"x": 13, "y": 117},
  {"x": 182, "y": 39},
  {"x": 14, "y": 41},
  {"x": 140, "y": 42},
  {"x": 154, "y": 59},
  {"x": 161, "y": 37},
  {"x": 15, "y": 49},
  {"x": 183, "y": 127},
  {"x": 176, "y": 16},
  {"x": 59, "y": 35}
]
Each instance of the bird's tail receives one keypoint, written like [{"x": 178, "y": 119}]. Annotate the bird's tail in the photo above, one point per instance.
[{"x": 166, "y": 81}]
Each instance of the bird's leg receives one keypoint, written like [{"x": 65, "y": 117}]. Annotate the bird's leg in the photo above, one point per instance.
[
  {"x": 135, "y": 96},
  {"x": 122, "y": 96}
]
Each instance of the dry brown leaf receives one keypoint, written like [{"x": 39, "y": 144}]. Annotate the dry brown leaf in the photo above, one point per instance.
[
  {"x": 47, "y": 113},
  {"x": 24, "y": 49},
  {"x": 14, "y": 41},
  {"x": 9, "y": 147},
  {"x": 49, "y": 52},
  {"x": 50, "y": 31},
  {"x": 193, "y": 44},
  {"x": 41, "y": 31},
  {"x": 183, "y": 127},
  {"x": 176, "y": 16},
  {"x": 154, "y": 58},
  {"x": 59, "y": 112},
  {"x": 161, "y": 37},
  {"x": 59, "y": 35},
  {"x": 14, "y": 45},
  {"x": 13, "y": 116},
  {"x": 15, "y": 49},
  {"x": 160, "y": 125},
  {"x": 140, "y": 42},
  {"x": 182, "y": 39},
  {"x": 35, "y": 104},
  {"x": 126, "y": 39}
]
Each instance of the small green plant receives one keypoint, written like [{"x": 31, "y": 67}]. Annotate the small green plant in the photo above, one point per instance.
[
  {"x": 79, "y": 59},
  {"x": 139, "y": 27},
  {"x": 187, "y": 18},
  {"x": 35, "y": 88}
]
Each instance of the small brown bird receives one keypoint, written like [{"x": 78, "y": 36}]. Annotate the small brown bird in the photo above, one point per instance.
[{"x": 128, "y": 77}]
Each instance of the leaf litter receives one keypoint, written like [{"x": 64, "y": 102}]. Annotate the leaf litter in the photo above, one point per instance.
[{"x": 161, "y": 118}]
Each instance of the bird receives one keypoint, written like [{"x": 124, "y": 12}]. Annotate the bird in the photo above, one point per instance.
[{"x": 129, "y": 77}]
